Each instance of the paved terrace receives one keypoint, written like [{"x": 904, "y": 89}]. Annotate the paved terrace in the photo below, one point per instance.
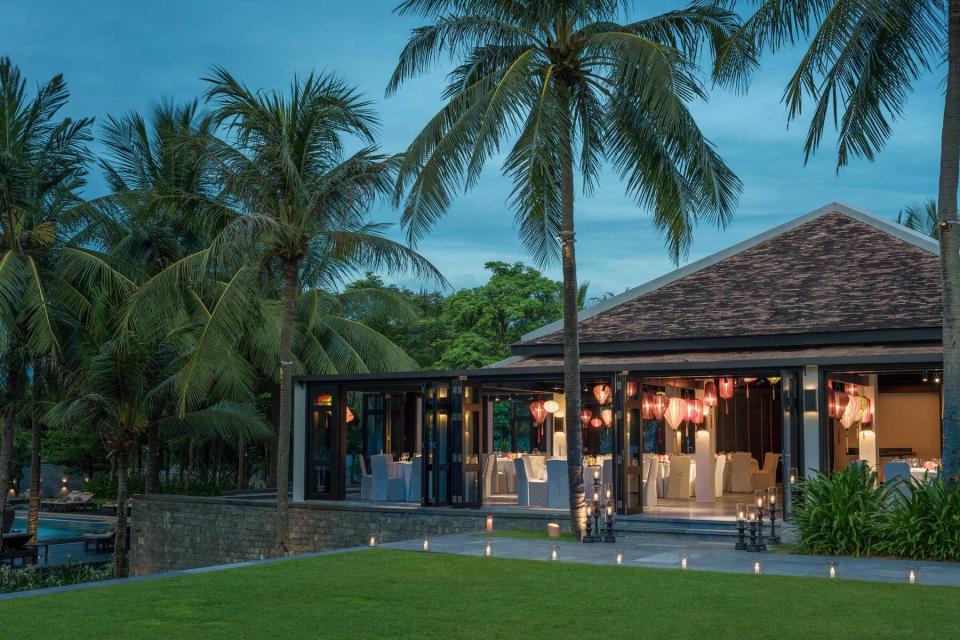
[{"x": 661, "y": 552}]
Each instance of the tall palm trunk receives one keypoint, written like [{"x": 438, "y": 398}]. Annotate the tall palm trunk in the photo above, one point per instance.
[
  {"x": 152, "y": 481},
  {"x": 33, "y": 515},
  {"x": 6, "y": 442},
  {"x": 950, "y": 246},
  {"x": 120, "y": 541},
  {"x": 241, "y": 464},
  {"x": 571, "y": 339},
  {"x": 291, "y": 284}
]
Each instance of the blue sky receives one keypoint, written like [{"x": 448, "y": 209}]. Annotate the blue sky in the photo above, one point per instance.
[{"x": 119, "y": 56}]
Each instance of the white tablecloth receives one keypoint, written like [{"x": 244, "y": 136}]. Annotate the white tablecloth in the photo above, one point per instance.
[
  {"x": 507, "y": 468},
  {"x": 402, "y": 470},
  {"x": 920, "y": 473}
]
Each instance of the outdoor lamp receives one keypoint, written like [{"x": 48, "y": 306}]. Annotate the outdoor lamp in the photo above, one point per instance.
[
  {"x": 554, "y": 552},
  {"x": 619, "y": 559},
  {"x": 833, "y": 569},
  {"x": 426, "y": 545},
  {"x": 793, "y": 475},
  {"x": 373, "y": 540},
  {"x": 596, "y": 496},
  {"x": 684, "y": 558},
  {"x": 756, "y": 567},
  {"x": 489, "y": 523},
  {"x": 488, "y": 549},
  {"x": 608, "y": 492},
  {"x": 912, "y": 575},
  {"x": 772, "y": 496}
]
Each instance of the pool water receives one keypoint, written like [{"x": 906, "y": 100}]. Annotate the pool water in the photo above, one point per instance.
[{"x": 59, "y": 528}]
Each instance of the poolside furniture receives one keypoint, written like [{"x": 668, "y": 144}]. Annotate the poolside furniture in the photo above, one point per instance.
[
  {"x": 767, "y": 477},
  {"x": 680, "y": 478},
  {"x": 14, "y": 546},
  {"x": 741, "y": 476},
  {"x": 366, "y": 481},
  {"x": 509, "y": 471},
  {"x": 721, "y": 465},
  {"x": 558, "y": 484},
  {"x": 530, "y": 491},
  {"x": 23, "y": 498},
  {"x": 74, "y": 501},
  {"x": 101, "y": 540}
]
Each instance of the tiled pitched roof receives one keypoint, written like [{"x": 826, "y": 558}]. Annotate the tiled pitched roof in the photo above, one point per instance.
[{"x": 835, "y": 272}]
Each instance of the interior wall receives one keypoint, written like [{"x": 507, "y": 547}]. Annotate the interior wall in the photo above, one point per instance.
[{"x": 910, "y": 420}]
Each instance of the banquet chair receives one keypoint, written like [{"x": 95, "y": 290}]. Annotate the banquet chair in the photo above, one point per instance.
[
  {"x": 494, "y": 480},
  {"x": 366, "y": 481},
  {"x": 651, "y": 477},
  {"x": 385, "y": 487},
  {"x": 678, "y": 482},
  {"x": 741, "y": 476},
  {"x": 414, "y": 493},
  {"x": 767, "y": 477},
  {"x": 530, "y": 492},
  {"x": 558, "y": 484},
  {"x": 559, "y": 444},
  {"x": 721, "y": 465}
]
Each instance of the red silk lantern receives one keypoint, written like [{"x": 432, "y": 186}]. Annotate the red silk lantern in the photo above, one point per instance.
[
  {"x": 691, "y": 411},
  {"x": 695, "y": 410},
  {"x": 631, "y": 389},
  {"x": 831, "y": 403},
  {"x": 538, "y": 412},
  {"x": 324, "y": 400},
  {"x": 660, "y": 402},
  {"x": 676, "y": 412},
  {"x": 646, "y": 411},
  {"x": 349, "y": 415},
  {"x": 602, "y": 393},
  {"x": 585, "y": 416},
  {"x": 710, "y": 393},
  {"x": 596, "y": 423},
  {"x": 607, "y": 416},
  {"x": 726, "y": 388}
]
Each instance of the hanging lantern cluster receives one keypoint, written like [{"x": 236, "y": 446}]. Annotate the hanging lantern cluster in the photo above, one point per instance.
[
  {"x": 710, "y": 393},
  {"x": 596, "y": 423},
  {"x": 585, "y": 416},
  {"x": 602, "y": 393},
  {"x": 646, "y": 406},
  {"x": 607, "y": 416},
  {"x": 538, "y": 412},
  {"x": 660, "y": 402},
  {"x": 676, "y": 412}
]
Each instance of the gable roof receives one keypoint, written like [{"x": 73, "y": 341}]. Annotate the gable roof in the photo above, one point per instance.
[{"x": 835, "y": 269}]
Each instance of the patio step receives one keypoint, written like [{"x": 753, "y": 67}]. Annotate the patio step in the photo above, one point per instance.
[{"x": 679, "y": 527}]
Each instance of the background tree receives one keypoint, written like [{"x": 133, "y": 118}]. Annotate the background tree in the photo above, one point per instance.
[
  {"x": 862, "y": 58},
  {"x": 572, "y": 87},
  {"x": 922, "y": 217}
]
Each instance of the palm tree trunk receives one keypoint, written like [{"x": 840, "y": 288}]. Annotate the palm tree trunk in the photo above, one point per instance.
[
  {"x": 120, "y": 541},
  {"x": 152, "y": 481},
  {"x": 33, "y": 514},
  {"x": 241, "y": 466},
  {"x": 291, "y": 273},
  {"x": 6, "y": 442},
  {"x": 950, "y": 247},
  {"x": 571, "y": 339}
]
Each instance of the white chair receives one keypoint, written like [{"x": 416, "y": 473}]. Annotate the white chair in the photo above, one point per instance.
[
  {"x": 538, "y": 467},
  {"x": 530, "y": 492},
  {"x": 385, "y": 488},
  {"x": 721, "y": 465},
  {"x": 678, "y": 483},
  {"x": 558, "y": 483},
  {"x": 896, "y": 471},
  {"x": 741, "y": 477},
  {"x": 651, "y": 478},
  {"x": 366, "y": 481},
  {"x": 766, "y": 477},
  {"x": 416, "y": 480},
  {"x": 494, "y": 480},
  {"x": 606, "y": 471},
  {"x": 559, "y": 444}
]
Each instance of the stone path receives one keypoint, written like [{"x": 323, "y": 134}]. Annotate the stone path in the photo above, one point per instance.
[{"x": 660, "y": 552}]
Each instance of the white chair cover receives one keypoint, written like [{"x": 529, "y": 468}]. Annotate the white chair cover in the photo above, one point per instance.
[
  {"x": 414, "y": 493},
  {"x": 530, "y": 492},
  {"x": 766, "y": 477},
  {"x": 366, "y": 481},
  {"x": 558, "y": 484},
  {"x": 678, "y": 483},
  {"x": 721, "y": 463},
  {"x": 741, "y": 479},
  {"x": 650, "y": 481},
  {"x": 559, "y": 444}
]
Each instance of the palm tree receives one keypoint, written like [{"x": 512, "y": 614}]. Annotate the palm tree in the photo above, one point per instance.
[
  {"x": 572, "y": 87},
  {"x": 296, "y": 209},
  {"x": 921, "y": 217},
  {"x": 860, "y": 65},
  {"x": 43, "y": 274}
]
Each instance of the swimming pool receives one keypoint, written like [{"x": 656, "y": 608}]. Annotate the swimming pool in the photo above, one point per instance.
[{"x": 54, "y": 528}]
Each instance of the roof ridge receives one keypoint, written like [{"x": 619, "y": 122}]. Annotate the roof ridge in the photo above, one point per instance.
[{"x": 882, "y": 224}]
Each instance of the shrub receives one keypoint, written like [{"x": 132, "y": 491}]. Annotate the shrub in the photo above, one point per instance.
[
  {"x": 33, "y": 577},
  {"x": 924, "y": 521},
  {"x": 105, "y": 486},
  {"x": 842, "y": 513}
]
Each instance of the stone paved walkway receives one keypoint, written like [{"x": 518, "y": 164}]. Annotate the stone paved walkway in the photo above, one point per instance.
[{"x": 664, "y": 553}]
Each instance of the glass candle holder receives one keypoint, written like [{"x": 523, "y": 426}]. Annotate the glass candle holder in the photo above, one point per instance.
[
  {"x": 833, "y": 570},
  {"x": 757, "y": 568},
  {"x": 489, "y": 523},
  {"x": 913, "y": 576},
  {"x": 555, "y": 552},
  {"x": 426, "y": 545},
  {"x": 684, "y": 561},
  {"x": 619, "y": 559},
  {"x": 373, "y": 540},
  {"x": 488, "y": 549}
]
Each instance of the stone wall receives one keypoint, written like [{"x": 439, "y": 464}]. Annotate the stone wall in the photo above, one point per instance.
[{"x": 182, "y": 532}]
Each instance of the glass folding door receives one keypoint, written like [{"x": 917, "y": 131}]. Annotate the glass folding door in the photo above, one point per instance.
[{"x": 324, "y": 475}]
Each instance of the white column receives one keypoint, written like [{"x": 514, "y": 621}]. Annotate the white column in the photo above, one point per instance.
[
  {"x": 705, "y": 470},
  {"x": 299, "y": 440},
  {"x": 811, "y": 420},
  {"x": 869, "y": 451}
]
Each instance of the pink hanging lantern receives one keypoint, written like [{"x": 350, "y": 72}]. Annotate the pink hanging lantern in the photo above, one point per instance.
[
  {"x": 676, "y": 412},
  {"x": 646, "y": 411},
  {"x": 691, "y": 410},
  {"x": 602, "y": 393},
  {"x": 660, "y": 402},
  {"x": 538, "y": 412},
  {"x": 596, "y": 423},
  {"x": 710, "y": 393},
  {"x": 349, "y": 415},
  {"x": 698, "y": 412},
  {"x": 725, "y": 387},
  {"x": 585, "y": 416},
  {"x": 831, "y": 403},
  {"x": 631, "y": 389},
  {"x": 854, "y": 410},
  {"x": 607, "y": 416}
]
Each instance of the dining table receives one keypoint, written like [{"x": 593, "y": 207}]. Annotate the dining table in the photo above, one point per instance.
[
  {"x": 509, "y": 470},
  {"x": 922, "y": 473}
]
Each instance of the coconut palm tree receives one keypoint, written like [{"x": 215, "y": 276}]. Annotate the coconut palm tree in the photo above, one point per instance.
[
  {"x": 861, "y": 61},
  {"x": 921, "y": 217},
  {"x": 43, "y": 273},
  {"x": 297, "y": 208},
  {"x": 569, "y": 86}
]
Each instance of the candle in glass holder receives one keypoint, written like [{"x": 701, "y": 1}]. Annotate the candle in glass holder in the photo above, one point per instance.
[
  {"x": 373, "y": 540},
  {"x": 554, "y": 552},
  {"x": 756, "y": 567},
  {"x": 833, "y": 569},
  {"x": 772, "y": 496},
  {"x": 489, "y": 523},
  {"x": 619, "y": 560},
  {"x": 488, "y": 549},
  {"x": 683, "y": 560},
  {"x": 596, "y": 473},
  {"x": 426, "y": 545},
  {"x": 912, "y": 575}
]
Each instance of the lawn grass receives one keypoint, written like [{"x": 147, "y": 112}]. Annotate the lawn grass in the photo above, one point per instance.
[
  {"x": 394, "y": 594},
  {"x": 527, "y": 534}
]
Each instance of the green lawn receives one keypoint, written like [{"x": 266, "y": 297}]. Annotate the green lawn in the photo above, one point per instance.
[
  {"x": 392, "y": 594},
  {"x": 526, "y": 534}
]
